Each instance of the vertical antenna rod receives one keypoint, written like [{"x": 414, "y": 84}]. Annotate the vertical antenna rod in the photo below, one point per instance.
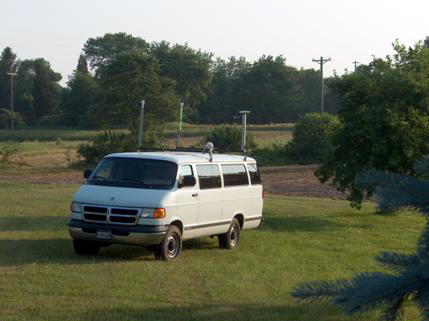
[
  {"x": 140, "y": 137},
  {"x": 243, "y": 114},
  {"x": 12, "y": 116},
  {"x": 321, "y": 62},
  {"x": 180, "y": 126}
]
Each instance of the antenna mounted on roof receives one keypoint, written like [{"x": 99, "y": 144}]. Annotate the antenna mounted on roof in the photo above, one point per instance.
[{"x": 209, "y": 146}]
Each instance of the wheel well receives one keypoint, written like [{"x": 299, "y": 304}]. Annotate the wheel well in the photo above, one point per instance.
[
  {"x": 179, "y": 225},
  {"x": 240, "y": 219}
]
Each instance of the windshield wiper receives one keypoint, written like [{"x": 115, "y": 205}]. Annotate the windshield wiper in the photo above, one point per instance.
[
  {"x": 127, "y": 179},
  {"x": 102, "y": 178}
]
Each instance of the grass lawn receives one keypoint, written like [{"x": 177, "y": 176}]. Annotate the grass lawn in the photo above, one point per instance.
[{"x": 302, "y": 239}]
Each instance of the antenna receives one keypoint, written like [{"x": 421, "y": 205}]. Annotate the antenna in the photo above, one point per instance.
[
  {"x": 209, "y": 146},
  {"x": 180, "y": 125},
  {"x": 140, "y": 137},
  {"x": 243, "y": 114}
]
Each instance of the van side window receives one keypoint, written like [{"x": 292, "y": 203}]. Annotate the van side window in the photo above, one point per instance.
[
  {"x": 185, "y": 170},
  {"x": 255, "y": 177},
  {"x": 209, "y": 176},
  {"x": 234, "y": 175}
]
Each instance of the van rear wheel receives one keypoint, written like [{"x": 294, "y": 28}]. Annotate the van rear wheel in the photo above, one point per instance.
[
  {"x": 230, "y": 239},
  {"x": 83, "y": 247},
  {"x": 171, "y": 246}
]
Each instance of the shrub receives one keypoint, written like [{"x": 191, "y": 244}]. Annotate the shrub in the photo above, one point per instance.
[
  {"x": 111, "y": 142},
  {"x": 275, "y": 155},
  {"x": 312, "y": 138},
  {"x": 228, "y": 139}
]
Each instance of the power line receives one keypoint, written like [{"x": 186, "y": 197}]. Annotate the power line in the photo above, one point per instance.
[
  {"x": 355, "y": 63},
  {"x": 321, "y": 62}
]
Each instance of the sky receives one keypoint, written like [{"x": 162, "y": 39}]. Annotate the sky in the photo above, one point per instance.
[{"x": 300, "y": 30}]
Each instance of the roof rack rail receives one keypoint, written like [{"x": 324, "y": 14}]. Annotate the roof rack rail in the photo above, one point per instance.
[
  {"x": 165, "y": 149},
  {"x": 204, "y": 150}
]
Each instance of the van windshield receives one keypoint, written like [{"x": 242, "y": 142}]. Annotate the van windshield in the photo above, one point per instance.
[{"x": 134, "y": 173}]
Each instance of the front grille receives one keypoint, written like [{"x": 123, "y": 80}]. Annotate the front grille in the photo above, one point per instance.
[{"x": 114, "y": 215}]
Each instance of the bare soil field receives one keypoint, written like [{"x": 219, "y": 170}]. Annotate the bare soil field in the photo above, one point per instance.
[{"x": 294, "y": 180}]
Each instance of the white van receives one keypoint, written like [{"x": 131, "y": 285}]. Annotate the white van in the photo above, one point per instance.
[{"x": 157, "y": 199}]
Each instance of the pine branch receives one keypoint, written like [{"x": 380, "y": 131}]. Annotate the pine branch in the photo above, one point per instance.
[
  {"x": 422, "y": 299},
  {"x": 394, "y": 191},
  {"x": 396, "y": 261},
  {"x": 422, "y": 167},
  {"x": 423, "y": 242},
  {"x": 319, "y": 290},
  {"x": 394, "y": 311}
]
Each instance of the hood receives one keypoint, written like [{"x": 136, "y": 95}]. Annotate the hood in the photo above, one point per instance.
[{"x": 119, "y": 196}]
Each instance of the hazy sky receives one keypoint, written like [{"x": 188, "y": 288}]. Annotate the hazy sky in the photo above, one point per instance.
[{"x": 299, "y": 30}]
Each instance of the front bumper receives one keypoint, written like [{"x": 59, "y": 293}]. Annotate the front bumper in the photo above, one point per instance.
[{"x": 136, "y": 235}]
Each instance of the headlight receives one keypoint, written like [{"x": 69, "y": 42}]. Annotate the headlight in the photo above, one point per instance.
[
  {"x": 153, "y": 213},
  {"x": 76, "y": 207}
]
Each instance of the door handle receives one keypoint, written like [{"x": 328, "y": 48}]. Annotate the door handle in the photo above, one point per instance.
[{"x": 195, "y": 195}]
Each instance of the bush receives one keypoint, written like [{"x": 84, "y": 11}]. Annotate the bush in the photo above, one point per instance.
[
  {"x": 312, "y": 138},
  {"x": 111, "y": 142},
  {"x": 275, "y": 155},
  {"x": 228, "y": 139}
]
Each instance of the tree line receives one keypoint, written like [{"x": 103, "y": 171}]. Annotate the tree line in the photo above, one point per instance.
[{"x": 115, "y": 71}]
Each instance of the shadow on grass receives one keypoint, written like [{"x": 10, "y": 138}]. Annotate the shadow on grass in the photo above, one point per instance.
[
  {"x": 305, "y": 224},
  {"x": 33, "y": 223},
  {"x": 227, "y": 312},
  {"x": 60, "y": 251}
]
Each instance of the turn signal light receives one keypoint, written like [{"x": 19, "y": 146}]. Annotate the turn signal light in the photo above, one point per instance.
[{"x": 159, "y": 213}]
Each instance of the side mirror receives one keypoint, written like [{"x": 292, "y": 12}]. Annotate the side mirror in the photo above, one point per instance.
[
  {"x": 87, "y": 173},
  {"x": 188, "y": 181}
]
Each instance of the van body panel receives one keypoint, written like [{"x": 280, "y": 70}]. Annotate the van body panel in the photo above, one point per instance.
[
  {"x": 119, "y": 196},
  {"x": 202, "y": 212}
]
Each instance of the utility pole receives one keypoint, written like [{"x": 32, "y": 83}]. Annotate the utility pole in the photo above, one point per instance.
[
  {"x": 321, "y": 62},
  {"x": 355, "y": 63},
  {"x": 11, "y": 74}
]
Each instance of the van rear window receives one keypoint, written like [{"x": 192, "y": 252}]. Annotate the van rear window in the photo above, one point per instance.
[
  {"x": 209, "y": 176},
  {"x": 234, "y": 175},
  {"x": 255, "y": 177}
]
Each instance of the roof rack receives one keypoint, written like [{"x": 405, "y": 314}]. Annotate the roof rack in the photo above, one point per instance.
[{"x": 207, "y": 149}]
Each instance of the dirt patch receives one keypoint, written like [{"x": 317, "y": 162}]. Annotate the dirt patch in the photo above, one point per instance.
[{"x": 296, "y": 180}]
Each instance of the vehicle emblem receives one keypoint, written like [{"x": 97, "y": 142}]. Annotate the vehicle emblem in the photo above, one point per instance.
[{"x": 112, "y": 199}]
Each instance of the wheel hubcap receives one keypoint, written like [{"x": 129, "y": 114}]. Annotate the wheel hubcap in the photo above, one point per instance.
[
  {"x": 172, "y": 246},
  {"x": 233, "y": 236}
]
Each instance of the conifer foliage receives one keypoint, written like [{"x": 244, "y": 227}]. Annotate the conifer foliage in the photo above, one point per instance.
[{"x": 410, "y": 280}]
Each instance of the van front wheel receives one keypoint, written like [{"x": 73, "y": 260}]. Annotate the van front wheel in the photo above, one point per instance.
[
  {"x": 230, "y": 239},
  {"x": 171, "y": 246}
]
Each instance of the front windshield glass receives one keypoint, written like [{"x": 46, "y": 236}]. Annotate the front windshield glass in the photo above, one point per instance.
[{"x": 134, "y": 173}]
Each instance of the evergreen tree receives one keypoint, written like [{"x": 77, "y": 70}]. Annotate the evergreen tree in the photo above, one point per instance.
[
  {"x": 371, "y": 290},
  {"x": 82, "y": 64},
  {"x": 7, "y": 60}
]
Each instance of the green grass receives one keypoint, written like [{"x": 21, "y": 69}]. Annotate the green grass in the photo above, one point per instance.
[{"x": 302, "y": 239}]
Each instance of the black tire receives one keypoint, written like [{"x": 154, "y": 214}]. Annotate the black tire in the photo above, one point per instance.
[
  {"x": 231, "y": 239},
  {"x": 83, "y": 247},
  {"x": 171, "y": 246}
]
